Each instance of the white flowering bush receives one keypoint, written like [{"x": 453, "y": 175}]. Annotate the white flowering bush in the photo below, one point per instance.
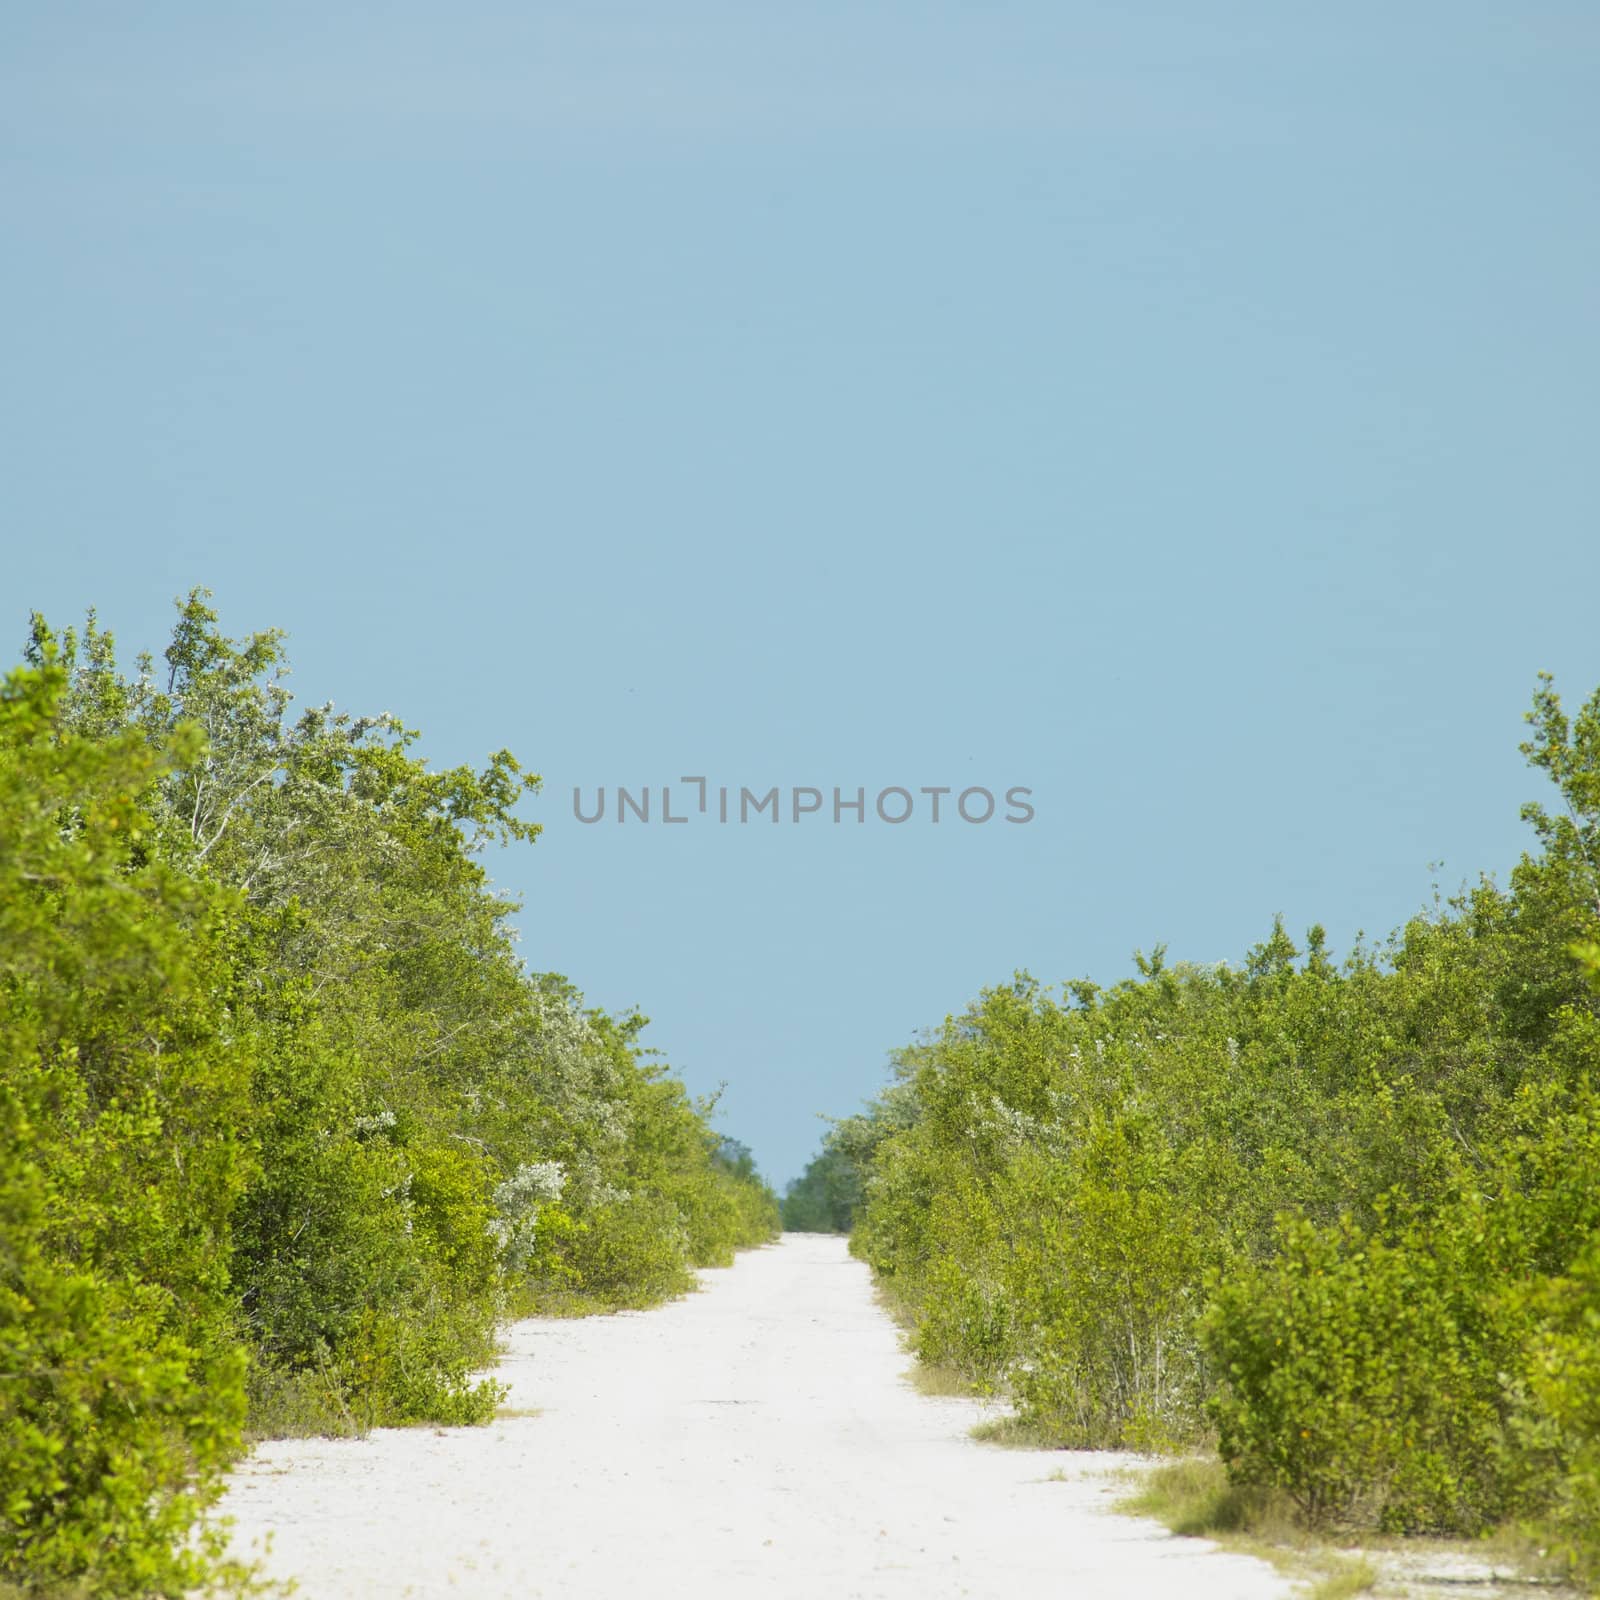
[{"x": 518, "y": 1202}]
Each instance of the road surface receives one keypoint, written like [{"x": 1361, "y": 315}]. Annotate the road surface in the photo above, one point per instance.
[{"x": 757, "y": 1439}]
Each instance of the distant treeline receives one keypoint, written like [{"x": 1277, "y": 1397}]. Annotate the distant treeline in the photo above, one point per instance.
[
  {"x": 1341, "y": 1221},
  {"x": 286, "y": 1127},
  {"x": 823, "y": 1199}
]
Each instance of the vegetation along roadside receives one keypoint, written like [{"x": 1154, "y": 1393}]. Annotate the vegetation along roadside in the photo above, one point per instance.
[
  {"x": 1337, "y": 1222},
  {"x": 286, "y": 1127}
]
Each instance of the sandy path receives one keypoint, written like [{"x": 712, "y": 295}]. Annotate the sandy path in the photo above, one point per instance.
[{"x": 756, "y": 1439}]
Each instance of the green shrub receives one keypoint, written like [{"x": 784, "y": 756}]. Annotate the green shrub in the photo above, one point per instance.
[
  {"x": 631, "y": 1251},
  {"x": 1103, "y": 1256},
  {"x": 1564, "y": 1380},
  {"x": 1363, "y": 1378},
  {"x": 121, "y": 1387}
]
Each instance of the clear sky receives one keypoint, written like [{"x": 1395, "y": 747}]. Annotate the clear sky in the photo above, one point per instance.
[{"x": 1188, "y": 412}]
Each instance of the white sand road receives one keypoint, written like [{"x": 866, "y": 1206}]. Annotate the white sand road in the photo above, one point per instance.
[{"x": 755, "y": 1439}]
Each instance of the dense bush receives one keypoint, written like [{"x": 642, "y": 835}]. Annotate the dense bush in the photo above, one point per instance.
[
  {"x": 1341, "y": 1219},
  {"x": 123, "y": 1120},
  {"x": 285, "y": 1126},
  {"x": 1362, "y": 1376}
]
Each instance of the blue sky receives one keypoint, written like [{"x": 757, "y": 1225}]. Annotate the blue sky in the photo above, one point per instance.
[{"x": 1186, "y": 412}]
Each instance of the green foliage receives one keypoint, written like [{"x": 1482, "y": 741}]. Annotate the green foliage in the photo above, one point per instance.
[
  {"x": 1361, "y": 1376},
  {"x": 823, "y": 1199},
  {"x": 121, "y": 1108},
  {"x": 286, "y": 1123},
  {"x": 1340, "y": 1219},
  {"x": 1564, "y": 1385}
]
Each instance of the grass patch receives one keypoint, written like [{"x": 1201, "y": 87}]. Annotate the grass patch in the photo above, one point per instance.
[
  {"x": 895, "y": 1306},
  {"x": 559, "y": 1303},
  {"x": 940, "y": 1382},
  {"x": 565, "y": 1303},
  {"x": 1194, "y": 1498},
  {"x": 286, "y": 1404},
  {"x": 1354, "y": 1577},
  {"x": 1526, "y": 1550},
  {"x": 1018, "y": 1433},
  {"x": 937, "y": 1380},
  {"x": 513, "y": 1413}
]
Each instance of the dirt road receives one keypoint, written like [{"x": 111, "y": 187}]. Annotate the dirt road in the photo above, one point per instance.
[{"x": 756, "y": 1439}]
